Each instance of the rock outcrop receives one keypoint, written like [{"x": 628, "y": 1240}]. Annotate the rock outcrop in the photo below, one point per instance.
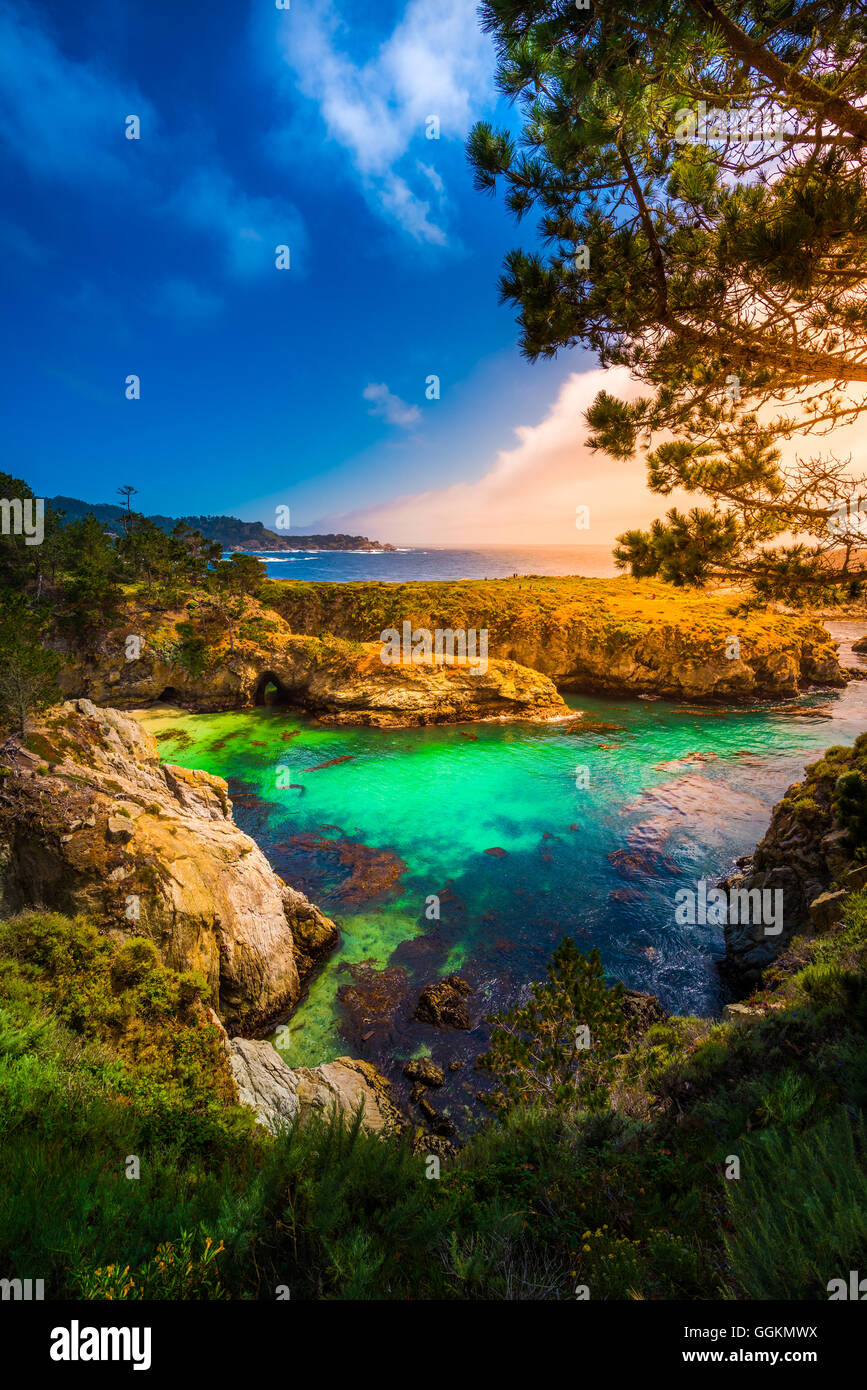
[
  {"x": 337, "y": 681},
  {"x": 443, "y": 1005},
  {"x": 804, "y": 853},
  {"x": 280, "y": 1094},
  {"x": 90, "y": 821},
  {"x": 594, "y": 635}
]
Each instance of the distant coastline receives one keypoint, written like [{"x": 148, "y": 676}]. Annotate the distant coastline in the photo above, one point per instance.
[{"x": 248, "y": 537}]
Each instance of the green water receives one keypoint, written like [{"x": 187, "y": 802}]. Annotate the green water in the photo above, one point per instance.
[{"x": 674, "y": 794}]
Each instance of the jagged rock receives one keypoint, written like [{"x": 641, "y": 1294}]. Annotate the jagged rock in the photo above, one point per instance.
[
  {"x": 427, "y": 1145},
  {"x": 806, "y": 853},
  {"x": 741, "y": 1013},
  {"x": 855, "y": 878},
  {"x": 642, "y": 1010},
  {"x": 442, "y": 1003},
  {"x": 175, "y": 868},
  {"x": 279, "y": 1093},
  {"x": 425, "y": 1071},
  {"x": 827, "y": 909},
  {"x": 439, "y": 1124},
  {"x": 340, "y": 682},
  {"x": 118, "y": 831}
]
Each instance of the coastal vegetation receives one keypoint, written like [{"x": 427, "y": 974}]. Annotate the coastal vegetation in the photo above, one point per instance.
[
  {"x": 603, "y": 1178},
  {"x": 106, "y": 1054}
]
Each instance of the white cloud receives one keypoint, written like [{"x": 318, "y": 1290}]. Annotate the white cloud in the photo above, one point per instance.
[
  {"x": 530, "y": 493},
  {"x": 436, "y": 62},
  {"x": 390, "y": 407},
  {"x": 64, "y": 118}
]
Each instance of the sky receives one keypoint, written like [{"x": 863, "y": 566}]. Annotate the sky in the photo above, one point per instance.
[{"x": 306, "y": 384}]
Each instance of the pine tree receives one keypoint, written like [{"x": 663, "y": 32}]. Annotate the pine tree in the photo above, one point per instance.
[
  {"x": 28, "y": 669},
  {"x": 558, "y": 1048},
  {"x": 719, "y": 253}
]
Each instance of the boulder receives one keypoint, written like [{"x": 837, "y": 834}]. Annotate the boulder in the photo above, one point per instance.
[
  {"x": 280, "y": 1094},
  {"x": 425, "y": 1071},
  {"x": 151, "y": 850},
  {"x": 442, "y": 1003},
  {"x": 642, "y": 1011},
  {"x": 827, "y": 909}
]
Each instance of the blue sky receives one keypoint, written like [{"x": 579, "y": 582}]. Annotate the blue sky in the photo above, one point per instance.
[{"x": 261, "y": 387}]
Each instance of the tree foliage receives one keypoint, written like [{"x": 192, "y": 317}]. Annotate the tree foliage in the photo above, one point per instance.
[
  {"x": 557, "y": 1049},
  {"x": 698, "y": 167}
]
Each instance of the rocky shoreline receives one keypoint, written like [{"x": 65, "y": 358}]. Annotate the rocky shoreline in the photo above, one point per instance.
[
  {"x": 333, "y": 680},
  {"x": 612, "y": 637},
  {"x": 91, "y": 822},
  {"x": 319, "y": 648},
  {"x": 806, "y": 855}
]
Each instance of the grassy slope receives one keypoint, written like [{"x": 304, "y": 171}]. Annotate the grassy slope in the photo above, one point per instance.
[
  {"x": 105, "y": 1054},
  {"x": 506, "y": 605}
]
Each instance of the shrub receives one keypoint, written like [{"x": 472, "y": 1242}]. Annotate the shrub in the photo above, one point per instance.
[{"x": 558, "y": 1048}]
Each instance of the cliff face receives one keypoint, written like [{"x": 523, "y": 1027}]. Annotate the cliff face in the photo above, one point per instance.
[
  {"x": 91, "y": 822},
  {"x": 340, "y": 682},
  {"x": 804, "y": 852},
  {"x": 588, "y": 634}
]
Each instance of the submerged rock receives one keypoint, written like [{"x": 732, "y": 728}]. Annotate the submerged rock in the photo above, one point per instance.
[
  {"x": 374, "y": 998},
  {"x": 425, "y": 1071},
  {"x": 442, "y": 1003},
  {"x": 174, "y": 867}
]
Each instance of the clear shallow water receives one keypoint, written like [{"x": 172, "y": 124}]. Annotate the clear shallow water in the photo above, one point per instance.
[
  {"x": 673, "y": 794},
  {"x": 340, "y": 566}
]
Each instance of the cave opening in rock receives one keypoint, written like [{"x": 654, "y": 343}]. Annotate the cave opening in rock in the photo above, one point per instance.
[
  {"x": 270, "y": 690},
  {"x": 170, "y": 696}
]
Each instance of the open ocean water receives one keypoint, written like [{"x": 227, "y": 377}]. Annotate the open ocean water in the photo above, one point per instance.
[{"x": 340, "y": 566}]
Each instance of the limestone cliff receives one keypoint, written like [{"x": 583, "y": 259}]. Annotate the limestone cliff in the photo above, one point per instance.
[
  {"x": 280, "y": 1094},
  {"x": 90, "y": 821},
  {"x": 338, "y": 681},
  {"x": 594, "y": 635}
]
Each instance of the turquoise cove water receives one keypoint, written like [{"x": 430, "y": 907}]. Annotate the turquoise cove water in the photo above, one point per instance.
[{"x": 516, "y": 834}]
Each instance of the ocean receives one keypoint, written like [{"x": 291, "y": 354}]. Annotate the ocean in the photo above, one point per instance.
[{"x": 495, "y": 562}]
